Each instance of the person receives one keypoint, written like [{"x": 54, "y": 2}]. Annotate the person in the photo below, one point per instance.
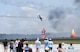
[
  {"x": 11, "y": 46},
  {"x": 5, "y": 43},
  {"x": 16, "y": 44},
  {"x": 20, "y": 46},
  {"x": 70, "y": 46},
  {"x": 46, "y": 42},
  {"x": 50, "y": 45},
  {"x": 27, "y": 47},
  {"x": 30, "y": 49},
  {"x": 46, "y": 49},
  {"x": 38, "y": 44},
  {"x": 63, "y": 45},
  {"x": 60, "y": 49}
]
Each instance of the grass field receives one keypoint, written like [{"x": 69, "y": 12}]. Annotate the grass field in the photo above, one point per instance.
[{"x": 57, "y": 41}]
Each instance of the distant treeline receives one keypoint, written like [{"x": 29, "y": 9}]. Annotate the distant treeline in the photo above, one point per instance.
[{"x": 35, "y": 36}]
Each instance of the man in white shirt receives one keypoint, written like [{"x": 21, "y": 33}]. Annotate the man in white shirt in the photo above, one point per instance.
[
  {"x": 16, "y": 43},
  {"x": 38, "y": 45}
]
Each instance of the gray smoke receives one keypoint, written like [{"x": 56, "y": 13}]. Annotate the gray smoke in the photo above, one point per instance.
[
  {"x": 64, "y": 20},
  {"x": 56, "y": 16},
  {"x": 77, "y": 2}
]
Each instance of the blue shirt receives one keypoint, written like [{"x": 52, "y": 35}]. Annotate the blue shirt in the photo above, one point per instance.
[
  {"x": 70, "y": 47},
  {"x": 27, "y": 47},
  {"x": 46, "y": 43}
]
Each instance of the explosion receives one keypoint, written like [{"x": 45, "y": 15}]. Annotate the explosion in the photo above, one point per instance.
[{"x": 73, "y": 34}]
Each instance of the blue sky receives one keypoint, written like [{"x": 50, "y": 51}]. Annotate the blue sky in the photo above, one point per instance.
[{"x": 25, "y": 16}]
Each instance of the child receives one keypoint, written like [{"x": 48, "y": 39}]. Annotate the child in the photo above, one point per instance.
[{"x": 26, "y": 47}]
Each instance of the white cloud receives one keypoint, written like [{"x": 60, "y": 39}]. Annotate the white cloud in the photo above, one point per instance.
[
  {"x": 32, "y": 11},
  {"x": 26, "y": 8}
]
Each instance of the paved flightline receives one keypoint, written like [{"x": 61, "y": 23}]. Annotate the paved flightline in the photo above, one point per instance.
[{"x": 77, "y": 48}]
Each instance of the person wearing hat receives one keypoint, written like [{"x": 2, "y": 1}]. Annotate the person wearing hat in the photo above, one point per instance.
[
  {"x": 50, "y": 44},
  {"x": 46, "y": 41}
]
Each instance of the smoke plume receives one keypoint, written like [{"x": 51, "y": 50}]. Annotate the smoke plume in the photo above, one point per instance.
[
  {"x": 77, "y": 2},
  {"x": 56, "y": 16},
  {"x": 64, "y": 20}
]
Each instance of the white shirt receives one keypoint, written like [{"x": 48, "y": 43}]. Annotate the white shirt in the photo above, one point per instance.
[
  {"x": 37, "y": 43},
  {"x": 50, "y": 44},
  {"x": 16, "y": 43}
]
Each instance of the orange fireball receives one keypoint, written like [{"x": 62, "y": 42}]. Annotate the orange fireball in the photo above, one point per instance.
[{"x": 73, "y": 35}]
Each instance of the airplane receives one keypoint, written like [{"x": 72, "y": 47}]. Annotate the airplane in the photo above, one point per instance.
[{"x": 40, "y": 17}]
